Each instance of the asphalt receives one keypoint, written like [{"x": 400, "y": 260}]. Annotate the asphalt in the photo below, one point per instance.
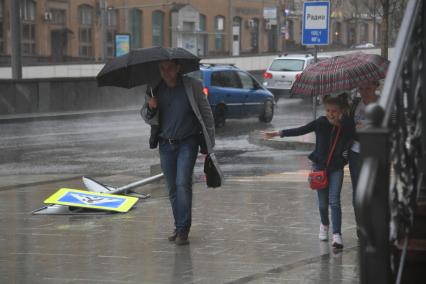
[{"x": 254, "y": 229}]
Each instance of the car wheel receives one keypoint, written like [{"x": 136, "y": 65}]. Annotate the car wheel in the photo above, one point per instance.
[
  {"x": 268, "y": 112},
  {"x": 220, "y": 116}
]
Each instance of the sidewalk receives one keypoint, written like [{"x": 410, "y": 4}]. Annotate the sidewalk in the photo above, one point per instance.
[{"x": 252, "y": 230}]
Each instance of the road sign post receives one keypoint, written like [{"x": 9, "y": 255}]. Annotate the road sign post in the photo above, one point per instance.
[{"x": 316, "y": 30}]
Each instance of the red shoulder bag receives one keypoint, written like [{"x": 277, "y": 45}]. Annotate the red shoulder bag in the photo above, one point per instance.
[{"x": 318, "y": 179}]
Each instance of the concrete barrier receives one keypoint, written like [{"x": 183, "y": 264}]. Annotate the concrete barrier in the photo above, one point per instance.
[
  {"x": 77, "y": 90},
  {"x": 63, "y": 94}
]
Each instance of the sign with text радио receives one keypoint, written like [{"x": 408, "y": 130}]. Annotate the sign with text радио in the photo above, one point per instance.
[{"x": 316, "y": 21}]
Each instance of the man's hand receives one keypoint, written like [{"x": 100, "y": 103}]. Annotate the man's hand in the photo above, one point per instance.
[{"x": 152, "y": 103}]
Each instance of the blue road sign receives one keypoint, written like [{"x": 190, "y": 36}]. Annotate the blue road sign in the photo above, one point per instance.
[
  {"x": 316, "y": 21},
  {"x": 94, "y": 200}
]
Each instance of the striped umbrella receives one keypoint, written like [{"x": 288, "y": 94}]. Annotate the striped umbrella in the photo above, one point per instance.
[{"x": 339, "y": 74}]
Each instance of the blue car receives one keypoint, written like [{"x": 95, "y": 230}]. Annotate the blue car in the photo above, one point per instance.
[{"x": 234, "y": 93}]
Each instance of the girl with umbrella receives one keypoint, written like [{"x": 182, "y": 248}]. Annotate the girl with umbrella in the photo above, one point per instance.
[{"x": 336, "y": 127}]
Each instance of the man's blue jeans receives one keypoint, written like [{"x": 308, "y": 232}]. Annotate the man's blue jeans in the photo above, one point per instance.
[
  {"x": 331, "y": 197},
  {"x": 177, "y": 163}
]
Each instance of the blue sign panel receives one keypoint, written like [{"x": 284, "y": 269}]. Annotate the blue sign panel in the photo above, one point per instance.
[
  {"x": 91, "y": 199},
  {"x": 94, "y": 200},
  {"x": 316, "y": 21},
  {"x": 122, "y": 44}
]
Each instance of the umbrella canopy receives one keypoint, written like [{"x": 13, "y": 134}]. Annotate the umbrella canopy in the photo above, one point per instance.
[
  {"x": 340, "y": 73},
  {"x": 140, "y": 66}
]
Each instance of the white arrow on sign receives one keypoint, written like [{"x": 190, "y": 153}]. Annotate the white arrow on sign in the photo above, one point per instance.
[{"x": 94, "y": 200}]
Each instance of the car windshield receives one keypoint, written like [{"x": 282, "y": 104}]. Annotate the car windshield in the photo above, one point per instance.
[{"x": 287, "y": 65}]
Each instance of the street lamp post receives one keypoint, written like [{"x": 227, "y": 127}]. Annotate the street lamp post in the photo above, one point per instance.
[
  {"x": 15, "y": 27},
  {"x": 103, "y": 8}
]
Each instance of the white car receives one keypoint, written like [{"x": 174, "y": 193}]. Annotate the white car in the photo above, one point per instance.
[
  {"x": 365, "y": 45},
  {"x": 280, "y": 75}
]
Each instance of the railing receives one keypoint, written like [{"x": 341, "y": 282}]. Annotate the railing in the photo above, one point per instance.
[{"x": 393, "y": 150}]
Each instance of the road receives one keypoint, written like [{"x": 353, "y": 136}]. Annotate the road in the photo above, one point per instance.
[{"x": 36, "y": 151}]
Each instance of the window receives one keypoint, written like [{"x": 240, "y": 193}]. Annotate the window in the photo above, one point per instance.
[
  {"x": 287, "y": 65},
  {"x": 254, "y": 33},
  {"x": 157, "y": 28},
  {"x": 219, "y": 25},
  {"x": 246, "y": 81},
  {"x": 136, "y": 28},
  {"x": 363, "y": 32},
  {"x": 112, "y": 16},
  {"x": 28, "y": 12},
  {"x": 85, "y": 31},
  {"x": 337, "y": 34},
  {"x": 112, "y": 19},
  {"x": 226, "y": 79},
  {"x": 58, "y": 16},
  {"x": 203, "y": 22}
]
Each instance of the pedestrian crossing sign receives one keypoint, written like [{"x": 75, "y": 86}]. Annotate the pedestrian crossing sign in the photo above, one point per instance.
[{"x": 93, "y": 200}]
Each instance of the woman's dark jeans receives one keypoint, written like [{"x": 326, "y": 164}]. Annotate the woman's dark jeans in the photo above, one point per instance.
[{"x": 330, "y": 196}]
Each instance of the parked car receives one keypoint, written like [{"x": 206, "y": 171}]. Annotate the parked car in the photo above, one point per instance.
[
  {"x": 234, "y": 93},
  {"x": 281, "y": 73},
  {"x": 364, "y": 45}
]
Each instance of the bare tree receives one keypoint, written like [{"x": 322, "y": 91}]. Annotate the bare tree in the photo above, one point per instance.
[{"x": 386, "y": 9}]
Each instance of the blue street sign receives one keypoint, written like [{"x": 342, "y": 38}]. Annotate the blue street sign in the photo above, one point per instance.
[
  {"x": 94, "y": 200},
  {"x": 316, "y": 21}
]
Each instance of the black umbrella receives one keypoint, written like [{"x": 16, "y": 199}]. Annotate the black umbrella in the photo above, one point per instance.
[{"x": 140, "y": 66}]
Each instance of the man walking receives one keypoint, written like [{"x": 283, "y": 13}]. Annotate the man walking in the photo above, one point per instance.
[{"x": 179, "y": 111}]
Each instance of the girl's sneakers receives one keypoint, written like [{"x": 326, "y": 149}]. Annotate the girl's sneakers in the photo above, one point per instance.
[
  {"x": 337, "y": 241},
  {"x": 323, "y": 233}
]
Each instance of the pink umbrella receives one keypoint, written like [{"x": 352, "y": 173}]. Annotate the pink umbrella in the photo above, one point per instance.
[{"x": 339, "y": 74}]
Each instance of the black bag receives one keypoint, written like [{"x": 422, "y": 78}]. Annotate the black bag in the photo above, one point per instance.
[
  {"x": 202, "y": 143},
  {"x": 213, "y": 173},
  {"x": 153, "y": 138}
]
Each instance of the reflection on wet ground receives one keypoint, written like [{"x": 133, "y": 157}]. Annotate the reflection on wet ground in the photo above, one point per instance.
[{"x": 253, "y": 230}]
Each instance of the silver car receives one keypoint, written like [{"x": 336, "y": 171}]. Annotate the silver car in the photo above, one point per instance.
[{"x": 280, "y": 75}]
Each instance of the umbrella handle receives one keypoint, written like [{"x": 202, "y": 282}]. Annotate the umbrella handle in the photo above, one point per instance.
[{"x": 152, "y": 93}]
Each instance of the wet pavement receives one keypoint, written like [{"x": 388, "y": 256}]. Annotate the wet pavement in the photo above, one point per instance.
[
  {"x": 260, "y": 227},
  {"x": 252, "y": 230}
]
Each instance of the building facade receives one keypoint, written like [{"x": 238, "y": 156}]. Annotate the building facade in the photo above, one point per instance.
[{"x": 84, "y": 30}]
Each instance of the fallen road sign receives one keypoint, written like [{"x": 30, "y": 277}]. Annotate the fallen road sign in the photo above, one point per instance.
[{"x": 93, "y": 200}]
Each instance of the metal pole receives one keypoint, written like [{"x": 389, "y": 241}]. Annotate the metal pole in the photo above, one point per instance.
[
  {"x": 283, "y": 9},
  {"x": 15, "y": 27},
  {"x": 126, "y": 14},
  {"x": 103, "y": 7},
  {"x": 315, "y": 98},
  {"x": 278, "y": 20},
  {"x": 230, "y": 28}
]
